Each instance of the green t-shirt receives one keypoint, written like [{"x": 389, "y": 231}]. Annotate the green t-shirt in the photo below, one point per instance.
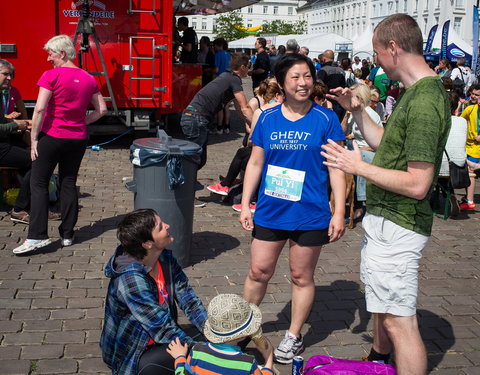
[
  {"x": 417, "y": 130},
  {"x": 381, "y": 81}
]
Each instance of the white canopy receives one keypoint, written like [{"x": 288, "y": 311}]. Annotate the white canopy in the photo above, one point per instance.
[
  {"x": 362, "y": 45},
  {"x": 317, "y": 43},
  {"x": 453, "y": 37}
]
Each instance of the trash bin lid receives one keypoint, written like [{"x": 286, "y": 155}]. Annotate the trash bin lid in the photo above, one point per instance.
[{"x": 173, "y": 146}]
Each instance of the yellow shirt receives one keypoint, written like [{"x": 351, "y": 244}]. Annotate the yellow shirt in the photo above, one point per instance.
[{"x": 472, "y": 147}]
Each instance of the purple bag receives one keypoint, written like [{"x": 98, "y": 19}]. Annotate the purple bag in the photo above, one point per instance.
[{"x": 326, "y": 365}]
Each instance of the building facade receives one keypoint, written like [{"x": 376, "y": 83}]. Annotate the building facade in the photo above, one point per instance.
[{"x": 350, "y": 18}]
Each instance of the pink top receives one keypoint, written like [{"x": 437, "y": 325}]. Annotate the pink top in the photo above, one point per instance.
[
  {"x": 72, "y": 90},
  {"x": 10, "y": 97}
]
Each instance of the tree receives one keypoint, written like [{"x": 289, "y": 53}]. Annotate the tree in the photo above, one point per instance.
[
  {"x": 282, "y": 28},
  {"x": 226, "y": 26}
]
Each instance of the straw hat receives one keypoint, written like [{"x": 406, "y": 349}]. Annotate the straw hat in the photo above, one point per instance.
[{"x": 231, "y": 317}]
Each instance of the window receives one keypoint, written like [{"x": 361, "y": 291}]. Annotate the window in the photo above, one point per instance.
[
  {"x": 275, "y": 9},
  {"x": 425, "y": 21},
  {"x": 204, "y": 25},
  {"x": 290, "y": 11},
  {"x": 250, "y": 10},
  {"x": 194, "y": 25},
  {"x": 265, "y": 9},
  {"x": 416, "y": 6},
  {"x": 460, "y": 3},
  {"x": 249, "y": 23},
  {"x": 457, "y": 24}
]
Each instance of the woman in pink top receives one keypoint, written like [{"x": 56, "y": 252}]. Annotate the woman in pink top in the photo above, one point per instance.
[{"x": 59, "y": 136}]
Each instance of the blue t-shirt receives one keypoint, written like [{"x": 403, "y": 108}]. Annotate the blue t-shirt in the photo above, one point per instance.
[
  {"x": 293, "y": 191},
  {"x": 222, "y": 61}
]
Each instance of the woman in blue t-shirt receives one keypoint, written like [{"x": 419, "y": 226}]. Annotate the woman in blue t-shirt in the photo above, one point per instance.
[{"x": 293, "y": 199}]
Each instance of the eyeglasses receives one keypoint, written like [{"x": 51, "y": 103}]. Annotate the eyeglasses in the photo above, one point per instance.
[
  {"x": 6, "y": 74},
  {"x": 374, "y": 101}
]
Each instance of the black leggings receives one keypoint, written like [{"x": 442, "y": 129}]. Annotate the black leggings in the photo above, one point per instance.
[
  {"x": 239, "y": 163},
  {"x": 68, "y": 154},
  {"x": 18, "y": 157},
  {"x": 156, "y": 361}
]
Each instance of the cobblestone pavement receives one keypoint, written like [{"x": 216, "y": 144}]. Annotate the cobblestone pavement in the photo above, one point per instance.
[{"x": 51, "y": 301}]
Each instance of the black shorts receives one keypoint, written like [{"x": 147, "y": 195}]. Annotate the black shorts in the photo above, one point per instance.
[{"x": 301, "y": 237}]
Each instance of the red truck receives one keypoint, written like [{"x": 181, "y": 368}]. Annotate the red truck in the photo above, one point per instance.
[{"x": 128, "y": 49}]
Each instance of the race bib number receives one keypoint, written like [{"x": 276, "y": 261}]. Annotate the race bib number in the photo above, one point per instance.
[{"x": 284, "y": 183}]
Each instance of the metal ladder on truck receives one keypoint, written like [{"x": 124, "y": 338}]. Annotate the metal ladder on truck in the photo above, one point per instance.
[{"x": 85, "y": 28}]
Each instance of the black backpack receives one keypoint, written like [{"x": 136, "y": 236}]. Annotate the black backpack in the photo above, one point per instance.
[{"x": 459, "y": 83}]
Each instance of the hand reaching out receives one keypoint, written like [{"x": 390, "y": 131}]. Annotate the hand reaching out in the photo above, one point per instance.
[{"x": 177, "y": 349}]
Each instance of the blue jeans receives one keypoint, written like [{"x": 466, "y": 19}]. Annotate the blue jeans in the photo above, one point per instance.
[
  {"x": 361, "y": 182},
  {"x": 195, "y": 127}
]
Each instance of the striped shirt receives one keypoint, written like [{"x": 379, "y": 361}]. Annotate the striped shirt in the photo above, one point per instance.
[{"x": 204, "y": 359}]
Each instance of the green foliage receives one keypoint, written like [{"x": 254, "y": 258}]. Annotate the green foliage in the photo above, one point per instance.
[
  {"x": 282, "y": 28},
  {"x": 225, "y": 26}
]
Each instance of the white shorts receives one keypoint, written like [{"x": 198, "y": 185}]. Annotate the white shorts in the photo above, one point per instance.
[{"x": 389, "y": 266}]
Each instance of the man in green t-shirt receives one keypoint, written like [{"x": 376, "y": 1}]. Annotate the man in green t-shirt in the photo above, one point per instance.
[{"x": 398, "y": 222}]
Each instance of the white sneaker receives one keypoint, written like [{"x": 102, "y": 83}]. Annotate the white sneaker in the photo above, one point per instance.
[
  {"x": 226, "y": 131},
  {"x": 288, "y": 348},
  {"x": 67, "y": 241},
  {"x": 30, "y": 245}
]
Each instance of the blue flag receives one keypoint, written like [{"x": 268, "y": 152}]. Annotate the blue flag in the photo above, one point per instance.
[
  {"x": 475, "y": 57},
  {"x": 443, "y": 52}
]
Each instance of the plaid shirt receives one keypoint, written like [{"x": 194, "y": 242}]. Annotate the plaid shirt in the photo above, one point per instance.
[{"x": 133, "y": 314}]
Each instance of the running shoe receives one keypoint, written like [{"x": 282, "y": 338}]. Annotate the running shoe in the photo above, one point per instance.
[
  {"x": 219, "y": 189},
  {"x": 198, "y": 203},
  {"x": 288, "y": 348},
  {"x": 20, "y": 217},
  {"x": 30, "y": 245},
  {"x": 67, "y": 241},
  {"x": 466, "y": 206},
  {"x": 238, "y": 207}
]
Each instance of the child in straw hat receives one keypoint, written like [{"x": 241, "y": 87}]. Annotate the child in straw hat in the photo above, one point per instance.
[{"x": 230, "y": 320}]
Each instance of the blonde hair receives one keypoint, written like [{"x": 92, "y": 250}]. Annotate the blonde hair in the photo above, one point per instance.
[
  {"x": 61, "y": 43},
  {"x": 362, "y": 92}
]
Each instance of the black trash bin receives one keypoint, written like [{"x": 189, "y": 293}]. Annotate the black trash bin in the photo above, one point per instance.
[{"x": 164, "y": 176}]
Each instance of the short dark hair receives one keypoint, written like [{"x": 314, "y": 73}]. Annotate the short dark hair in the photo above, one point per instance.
[
  {"x": 447, "y": 83},
  {"x": 134, "y": 230},
  {"x": 281, "y": 49},
  {"x": 453, "y": 99},
  {"x": 219, "y": 42},
  {"x": 319, "y": 91},
  {"x": 183, "y": 21},
  {"x": 238, "y": 59},
  {"x": 346, "y": 63},
  {"x": 475, "y": 87},
  {"x": 404, "y": 30},
  {"x": 262, "y": 41},
  {"x": 287, "y": 61}
]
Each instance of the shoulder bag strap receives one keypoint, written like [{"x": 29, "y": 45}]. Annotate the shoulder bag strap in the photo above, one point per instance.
[{"x": 446, "y": 153}]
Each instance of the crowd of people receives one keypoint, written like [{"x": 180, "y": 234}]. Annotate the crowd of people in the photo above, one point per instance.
[{"x": 310, "y": 123}]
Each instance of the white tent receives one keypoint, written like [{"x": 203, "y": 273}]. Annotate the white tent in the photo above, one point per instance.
[
  {"x": 317, "y": 43},
  {"x": 362, "y": 45},
  {"x": 453, "y": 37}
]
